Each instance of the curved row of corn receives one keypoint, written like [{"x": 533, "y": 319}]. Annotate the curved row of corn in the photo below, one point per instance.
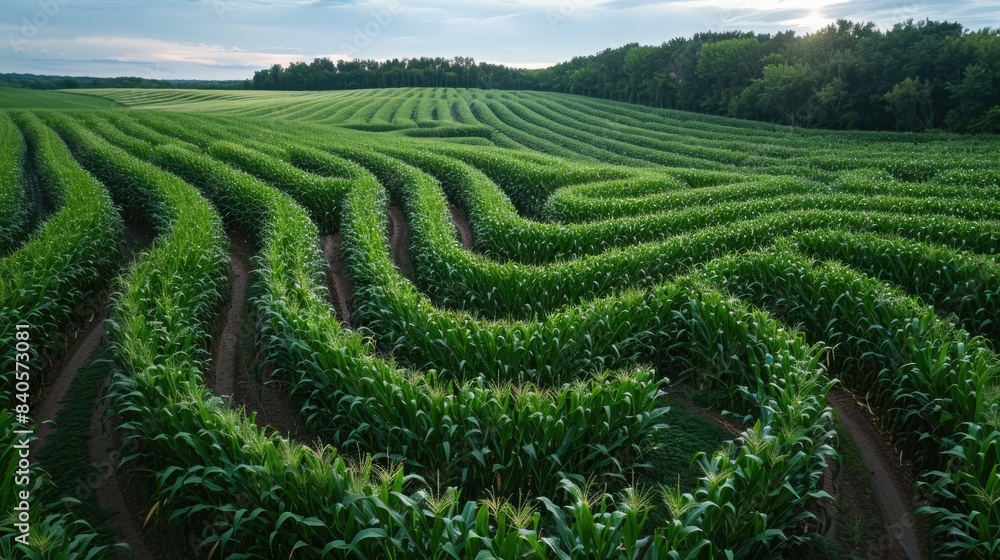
[{"x": 534, "y": 363}]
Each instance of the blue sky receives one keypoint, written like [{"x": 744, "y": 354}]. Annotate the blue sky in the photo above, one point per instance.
[{"x": 230, "y": 39}]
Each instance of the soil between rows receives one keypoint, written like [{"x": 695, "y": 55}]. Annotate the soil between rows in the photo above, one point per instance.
[
  {"x": 904, "y": 537},
  {"x": 399, "y": 243},
  {"x": 102, "y": 451},
  {"x": 229, "y": 375},
  {"x": 338, "y": 277},
  {"x": 225, "y": 355},
  {"x": 461, "y": 221}
]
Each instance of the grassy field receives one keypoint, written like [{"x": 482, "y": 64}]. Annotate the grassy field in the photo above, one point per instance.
[
  {"x": 476, "y": 300},
  {"x": 15, "y": 98}
]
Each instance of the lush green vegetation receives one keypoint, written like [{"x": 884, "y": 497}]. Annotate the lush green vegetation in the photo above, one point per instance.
[
  {"x": 506, "y": 401},
  {"x": 41, "y": 285},
  {"x": 914, "y": 76},
  {"x": 13, "y": 196},
  {"x": 13, "y": 98}
]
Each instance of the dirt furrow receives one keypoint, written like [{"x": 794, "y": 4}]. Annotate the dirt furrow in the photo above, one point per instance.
[
  {"x": 891, "y": 484},
  {"x": 461, "y": 222},
  {"x": 399, "y": 243},
  {"x": 82, "y": 350},
  {"x": 338, "y": 278},
  {"x": 226, "y": 355},
  {"x": 229, "y": 375},
  {"x": 81, "y": 353}
]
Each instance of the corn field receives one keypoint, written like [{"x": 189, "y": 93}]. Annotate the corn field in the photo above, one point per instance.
[{"x": 500, "y": 396}]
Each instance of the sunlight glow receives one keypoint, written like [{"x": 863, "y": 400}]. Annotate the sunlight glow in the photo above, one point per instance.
[{"x": 809, "y": 23}]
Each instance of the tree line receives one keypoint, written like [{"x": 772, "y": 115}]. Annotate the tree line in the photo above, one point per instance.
[
  {"x": 41, "y": 82},
  {"x": 323, "y": 73},
  {"x": 915, "y": 76}
]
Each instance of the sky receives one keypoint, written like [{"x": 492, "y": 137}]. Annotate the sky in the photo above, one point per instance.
[{"x": 230, "y": 39}]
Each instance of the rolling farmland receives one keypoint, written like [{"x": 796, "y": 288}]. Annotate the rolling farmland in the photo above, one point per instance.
[{"x": 444, "y": 323}]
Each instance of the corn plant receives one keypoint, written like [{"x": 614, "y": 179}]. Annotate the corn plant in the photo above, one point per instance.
[
  {"x": 13, "y": 194},
  {"x": 42, "y": 284},
  {"x": 66, "y": 260},
  {"x": 611, "y": 245}
]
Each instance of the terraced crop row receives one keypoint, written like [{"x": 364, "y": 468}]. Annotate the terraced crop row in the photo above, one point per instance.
[{"x": 508, "y": 400}]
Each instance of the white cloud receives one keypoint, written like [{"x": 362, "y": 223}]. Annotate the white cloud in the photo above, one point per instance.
[
  {"x": 187, "y": 38},
  {"x": 168, "y": 59},
  {"x": 480, "y": 22},
  {"x": 517, "y": 64}
]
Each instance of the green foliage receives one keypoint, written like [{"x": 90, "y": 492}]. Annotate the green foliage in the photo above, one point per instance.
[
  {"x": 41, "y": 285},
  {"x": 786, "y": 92},
  {"x": 526, "y": 372},
  {"x": 11, "y": 98},
  {"x": 159, "y": 391},
  {"x": 933, "y": 384},
  {"x": 43, "y": 282},
  {"x": 911, "y": 103},
  {"x": 728, "y": 65},
  {"x": 13, "y": 195},
  {"x": 837, "y": 77}
]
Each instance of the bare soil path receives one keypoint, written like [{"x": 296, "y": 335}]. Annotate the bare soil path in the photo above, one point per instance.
[
  {"x": 83, "y": 343},
  {"x": 338, "y": 277},
  {"x": 890, "y": 480},
  {"x": 229, "y": 375},
  {"x": 226, "y": 357},
  {"x": 80, "y": 353},
  {"x": 102, "y": 452},
  {"x": 461, "y": 222},
  {"x": 399, "y": 242}
]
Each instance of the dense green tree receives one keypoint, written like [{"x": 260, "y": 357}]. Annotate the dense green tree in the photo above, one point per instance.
[
  {"x": 789, "y": 93},
  {"x": 911, "y": 103},
  {"x": 990, "y": 122},
  {"x": 640, "y": 67},
  {"x": 846, "y": 75},
  {"x": 836, "y": 105},
  {"x": 974, "y": 95},
  {"x": 728, "y": 67}
]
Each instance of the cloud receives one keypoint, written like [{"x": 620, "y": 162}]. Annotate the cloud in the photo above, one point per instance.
[
  {"x": 139, "y": 51},
  {"x": 328, "y": 3},
  {"x": 117, "y": 61},
  {"x": 191, "y": 38},
  {"x": 480, "y": 22},
  {"x": 521, "y": 64},
  {"x": 630, "y": 4},
  {"x": 246, "y": 67}
]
